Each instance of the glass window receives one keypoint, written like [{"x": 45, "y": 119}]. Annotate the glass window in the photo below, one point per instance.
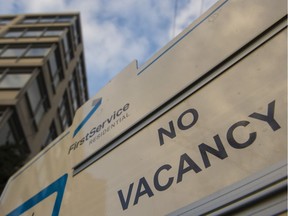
[
  {"x": 36, "y": 102},
  {"x": 34, "y": 95},
  {"x": 13, "y": 34},
  {"x": 54, "y": 69},
  {"x": 52, "y": 134},
  {"x": 47, "y": 20},
  {"x": 49, "y": 33},
  {"x": 39, "y": 114},
  {"x": 34, "y": 52},
  {"x": 81, "y": 82},
  {"x": 64, "y": 19},
  {"x": 30, "y": 20},
  {"x": 76, "y": 36},
  {"x": 14, "y": 80},
  {"x": 5, "y": 21},
  {"x": 13, "y": 52},
  {"x": 73, "y": 93},
  {"x": 6, "y": 135},
  {"x": 65, "y": 43},
  {"x": 53, "y": 64},
  {"x": 31, "y": 33},
  {"x": 64, "y": 113},
  {"x": 66, "y": 49}
]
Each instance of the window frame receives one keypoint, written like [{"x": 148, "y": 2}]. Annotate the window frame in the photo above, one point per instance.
[
  {"x": 42, "y": 103},
  {"x": 26, "y": 48}
]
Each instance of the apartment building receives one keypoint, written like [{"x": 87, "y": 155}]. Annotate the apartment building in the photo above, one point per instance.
[{"x": 42, "y": 78}]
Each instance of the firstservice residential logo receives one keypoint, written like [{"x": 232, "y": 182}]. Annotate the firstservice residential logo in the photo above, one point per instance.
[{"x": 100, "y": 129}]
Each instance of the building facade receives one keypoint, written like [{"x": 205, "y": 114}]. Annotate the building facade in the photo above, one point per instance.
[{"x": 42, "y": 78}]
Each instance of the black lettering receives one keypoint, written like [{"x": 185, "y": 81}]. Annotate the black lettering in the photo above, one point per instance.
[
  {"x": 81, "y": 141},
  {"x": 125, "y": 203},
  {"x": 220, "y": 152},
  {"x": 92, "y": 132},
  {"x": 110, "y": 119},
  {"x": 191, "y": 166},
  {"x": 171, "y": 134},
  {"x": 119, "y": 112},
  {"x": 99, "y": 127},
  {"x": 269, "y": 118},
  {"x": 147, "y": 190},
  {"x": 233, "y": 142},
  {"x": 72, "y": 147},
  {"x": 87, "y": 136},
  {"x": 125, "y": 108},
  {"x": 156, "y": 178},
  {"x": 195, "y": 118}
]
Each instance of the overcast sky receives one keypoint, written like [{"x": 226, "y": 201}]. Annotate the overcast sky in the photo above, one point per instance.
[{"x": 116, "y": 32}]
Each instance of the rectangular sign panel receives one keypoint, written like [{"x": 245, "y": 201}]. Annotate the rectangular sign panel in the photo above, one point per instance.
[
  {"x": 207, "y": 112},
  {"x": 232, "y": 127}
]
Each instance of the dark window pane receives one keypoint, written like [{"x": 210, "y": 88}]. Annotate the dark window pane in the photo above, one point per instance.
[
  {"x": 34, "y": 52},
  {"x": 64, "y": 19},
  {"x": 73, "y": 93},
  {"x": 64, "y": 113},
  {"x": 52, "y": 134},
  {"x": 13, "y": 52},
  {"x": 4, "y": 21},
  {"x": 6, "y": 135},
  {"x": 54, "y": 70}
]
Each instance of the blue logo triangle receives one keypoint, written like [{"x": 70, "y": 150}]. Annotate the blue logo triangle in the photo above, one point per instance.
[{"x": 56, "y": 187}]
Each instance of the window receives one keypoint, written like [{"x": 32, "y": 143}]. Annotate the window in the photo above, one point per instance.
[
  {"x": 52, "y": 134},
  {"x": 14, "y": 78},
  {"x": 73, "y": 91},
  {"x": 38, "y": 51},
  {"x": 31, "y": 33},
  {"x": 13, "y": 52},
  {"x": 30, "y": 20},
  {"x": 9, "y": 81},
  {"x": 6, "y": 135},
  {"x": 16, "y": 52},
  {"x": 61, "y": 19},
  {"x": 64, "y": 113},
  {"x": 4, "y": 21},
  {"x": 11, "y": 134},
  {"x": 65, "y": 19},
  {"x": 67, "y": 49},
  {"x": 13, "y": 34},
  {"x": 36, "y": 101},
  {"x": 50, "y": 33},
  {"x": 75, "y": 33},
  {"x": 54, "y": 69},
  {"x": 47, "y": 20},
  {"x": 81, "y": 82}
]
